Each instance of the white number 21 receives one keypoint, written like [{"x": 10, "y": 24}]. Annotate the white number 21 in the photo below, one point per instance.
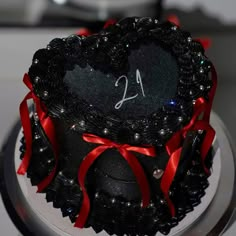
[{"x": 124, "y": 98}]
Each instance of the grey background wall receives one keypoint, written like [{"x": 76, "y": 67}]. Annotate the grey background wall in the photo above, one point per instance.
[{"x": 224, "y": 10}]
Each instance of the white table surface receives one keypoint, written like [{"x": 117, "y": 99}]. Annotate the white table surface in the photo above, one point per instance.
[{"x": 16, "y": 51}]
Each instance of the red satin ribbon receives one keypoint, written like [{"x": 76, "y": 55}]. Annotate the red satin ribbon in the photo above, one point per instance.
[
  {"x": 84, "y": 32},
  {"x": 126, "y": 151},
  {"x": 48, "y": 127},
  {"x": 109, "y": 22},
  {"x": 205, "y": 42},
  {"x": 174, "y": 145},
  {"x": 174, "y": 19}
]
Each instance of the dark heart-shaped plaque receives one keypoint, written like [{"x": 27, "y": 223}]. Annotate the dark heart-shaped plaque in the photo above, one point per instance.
[
  {"x": 134, "y": 82},
  {"x": 150, "y": 82}
]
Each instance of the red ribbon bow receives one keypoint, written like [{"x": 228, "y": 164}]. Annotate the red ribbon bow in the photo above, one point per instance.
[
  {"x": 48, "y": 127},
  {"x": 126, "y": 151}
]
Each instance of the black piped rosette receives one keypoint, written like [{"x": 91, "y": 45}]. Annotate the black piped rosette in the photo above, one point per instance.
[{"x": 112, "y": 188}]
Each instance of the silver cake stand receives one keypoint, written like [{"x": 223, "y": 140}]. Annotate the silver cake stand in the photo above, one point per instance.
[{"x": 213, "y": 221}]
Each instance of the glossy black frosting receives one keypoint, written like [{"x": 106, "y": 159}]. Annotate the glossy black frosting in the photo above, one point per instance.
[
  {"x": 75, "y": 77},
  {"x": 107, "y": 52}
]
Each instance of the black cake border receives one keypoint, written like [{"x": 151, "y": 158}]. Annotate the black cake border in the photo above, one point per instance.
[{"x": 108, "y": 51}]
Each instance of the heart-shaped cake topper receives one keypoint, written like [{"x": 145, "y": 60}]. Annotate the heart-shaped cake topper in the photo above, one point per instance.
[{"x": 128, "y": 81}]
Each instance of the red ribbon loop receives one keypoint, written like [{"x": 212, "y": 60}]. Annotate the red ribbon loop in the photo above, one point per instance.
[
  {"x": 48, "y": 127},
  {"x": 125, "y": 150}
]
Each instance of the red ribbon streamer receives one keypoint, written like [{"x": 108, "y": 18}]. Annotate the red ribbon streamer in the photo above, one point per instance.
[
  {"x": 84, "y": 32},
  {"x": 126, "y": 151},
  {"x": 174, "y": 19},
  {"x": 174, "y": 145},
  {"x": 109, "y": 22},
  {"x": 205, "y": 42},
  {"x": 48, "y": 127}
]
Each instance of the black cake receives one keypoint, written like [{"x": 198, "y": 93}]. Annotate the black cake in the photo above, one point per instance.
[{"x": 120, "y": 138}]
